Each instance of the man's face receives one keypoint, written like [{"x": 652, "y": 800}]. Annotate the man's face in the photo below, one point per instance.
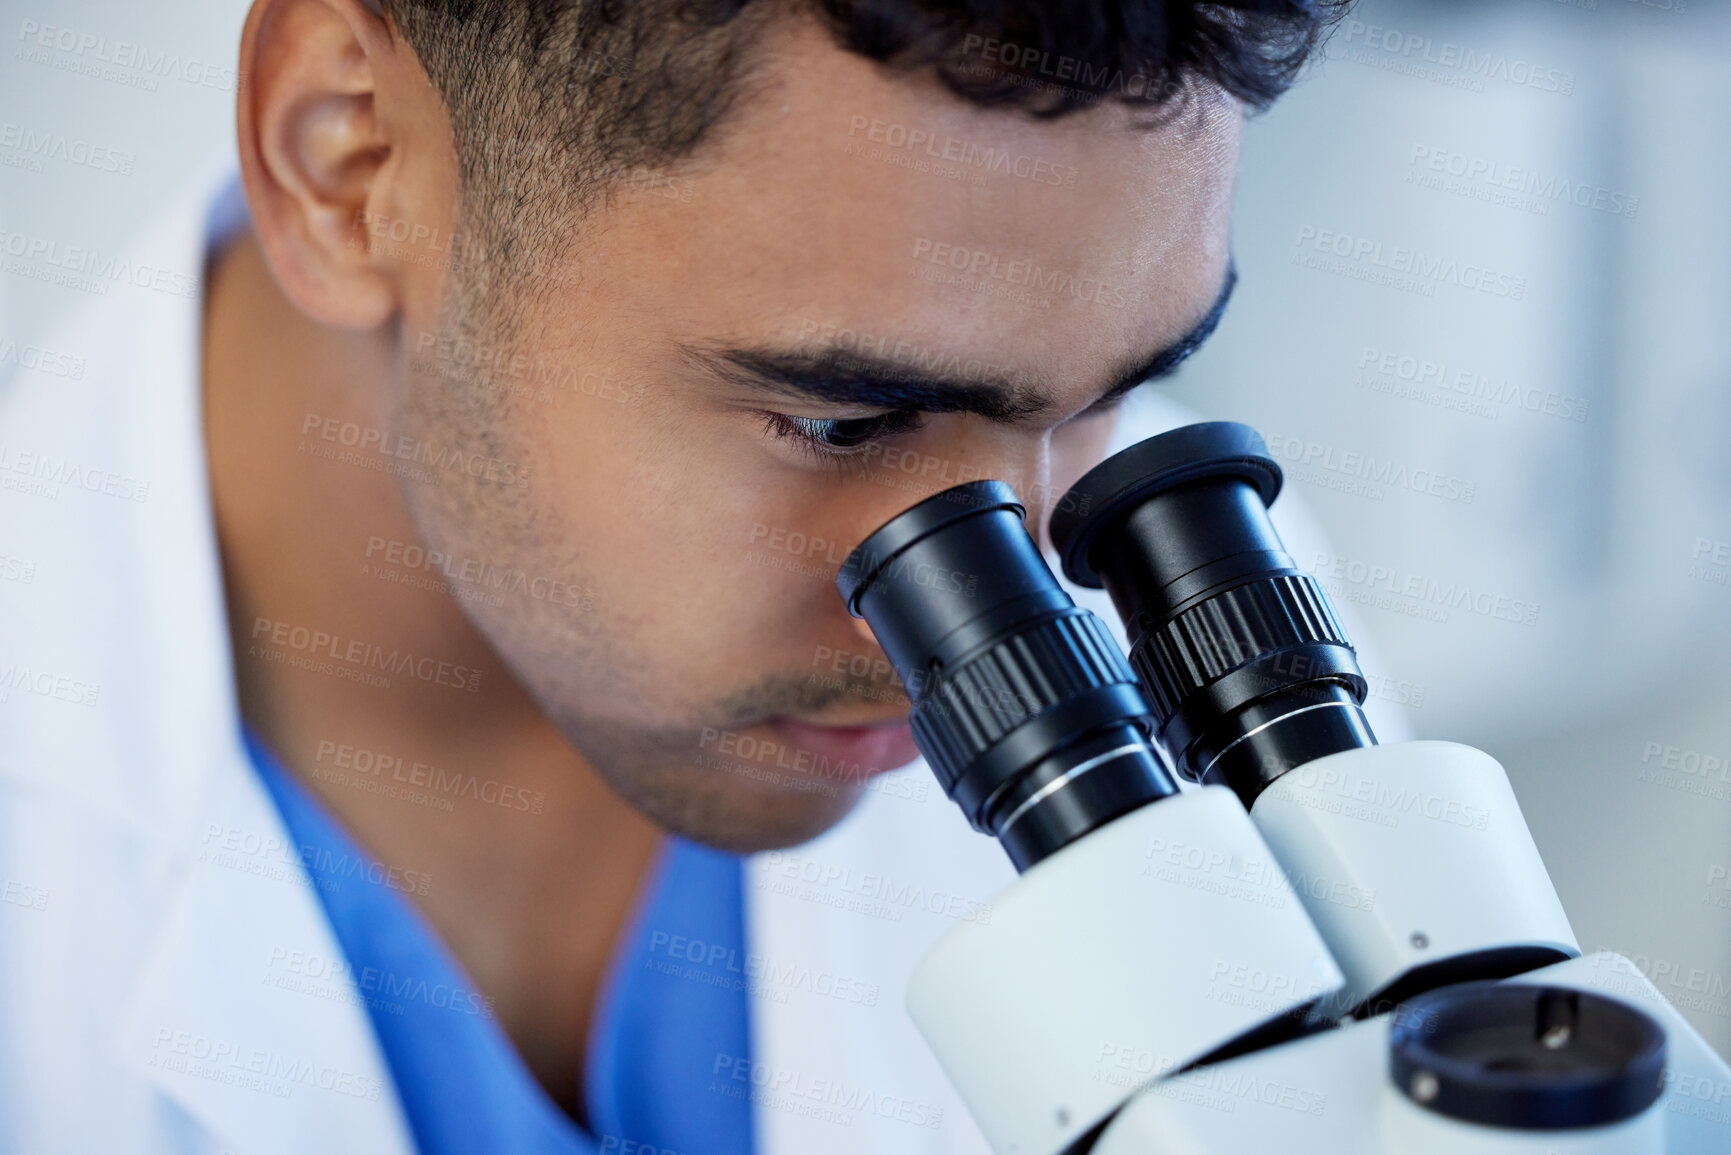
[{"x": 728, "y": 378}]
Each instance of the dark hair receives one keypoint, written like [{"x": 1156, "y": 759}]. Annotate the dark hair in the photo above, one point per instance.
[
  {"x": 557, "y": 98},
  {"x": 1051, "y": 59}
]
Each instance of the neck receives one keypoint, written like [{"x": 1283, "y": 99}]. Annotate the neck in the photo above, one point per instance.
[{"x": 534, "y": 863}]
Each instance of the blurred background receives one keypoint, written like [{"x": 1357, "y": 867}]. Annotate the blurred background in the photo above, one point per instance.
[{"x": 1484, "y": 321}]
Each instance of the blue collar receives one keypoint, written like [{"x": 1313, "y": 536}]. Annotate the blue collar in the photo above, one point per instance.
[{"x": 664, "y": 1022}]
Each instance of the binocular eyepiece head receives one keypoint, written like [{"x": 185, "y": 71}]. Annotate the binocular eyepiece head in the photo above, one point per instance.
[{"x": 1022, "y": 703}]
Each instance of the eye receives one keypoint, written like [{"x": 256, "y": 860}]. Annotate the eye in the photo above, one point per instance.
[{"x": 832, "y": 437}]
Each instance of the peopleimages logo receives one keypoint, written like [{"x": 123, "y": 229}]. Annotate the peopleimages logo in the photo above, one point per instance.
[
  {"x": 1447, "y": 62},
  {"x": 752, "y": 968},
  {"x": 957, "y": 151},
  {"x": 1341, "y": 575},
  {"x": 1463, "y": 387},
  {"x": 457, "y": 358},
  {"x": 896, "y": 894},
  {"x": 87, "y": 52},
  {"x": 1363, "y": 473},
  {"x": 1218, "y": 1088},
  {"x": 391, "y": 445},
  {"x": 233, "y": 847},
  {"x": 1514, "y": 186},
  {"x": 253, "y": 1068},
  {"x": 992, "y": 268},
  {"x": 803, "y": 1093},
  {"x": 1041, "y": 67},
  {"x": 1341, "y": 792},
  {"x": 1368, "y": 259},
  {"x": 41, "y": 360},
  {"x": 359, "y": 656},
  {"x": 41, "y": 474},
  {"x": 47, "y": 684},
  {"x": 374, "y": 980},
  {"x": 403, "y": 561},
  {"x": 435, "y": 779},
  {"x": 17, "y": 569},
  {"x": 86, "y": 269},
  {"x": 1711, "y": 561},
  {"x": 37, "y": 145}
]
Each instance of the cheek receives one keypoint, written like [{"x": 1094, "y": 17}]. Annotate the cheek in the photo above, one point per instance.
[
  {"x": 710, "y": 576},
  {"x": 761, "y": 594}
]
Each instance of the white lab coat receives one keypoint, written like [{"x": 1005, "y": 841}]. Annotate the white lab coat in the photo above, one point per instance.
[{"x": 149, "y": 897}]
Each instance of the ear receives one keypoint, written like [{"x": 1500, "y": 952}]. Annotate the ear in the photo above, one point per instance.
[{"x": 316, "y": 152}]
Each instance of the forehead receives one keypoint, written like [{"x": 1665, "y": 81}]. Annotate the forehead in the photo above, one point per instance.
[{"x": 843, "y": 198}]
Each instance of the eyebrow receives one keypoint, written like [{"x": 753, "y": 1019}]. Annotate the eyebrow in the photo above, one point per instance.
[{"x": 854, "y": 376}]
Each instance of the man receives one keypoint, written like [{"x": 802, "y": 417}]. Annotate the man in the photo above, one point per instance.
[{"x": 412, "y": 665}]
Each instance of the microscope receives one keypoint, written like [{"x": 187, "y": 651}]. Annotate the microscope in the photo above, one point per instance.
[{"x": 1240, "y": 923}]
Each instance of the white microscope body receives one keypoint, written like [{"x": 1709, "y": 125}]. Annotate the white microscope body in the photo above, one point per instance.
[
  {"x": 1111, "y": 974},
  {"x": 1313, "y": 943}
]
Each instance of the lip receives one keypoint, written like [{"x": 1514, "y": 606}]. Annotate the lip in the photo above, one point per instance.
[{"x": 873, "y": 750}]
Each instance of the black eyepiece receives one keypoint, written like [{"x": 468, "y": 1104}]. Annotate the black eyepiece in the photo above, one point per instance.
[
  {"x": 1022, "y": 703},
  {"x": 1246, "y": 669}
]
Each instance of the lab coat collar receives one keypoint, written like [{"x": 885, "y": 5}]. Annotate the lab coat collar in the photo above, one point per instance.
[{"x": 264, "y": 1069}]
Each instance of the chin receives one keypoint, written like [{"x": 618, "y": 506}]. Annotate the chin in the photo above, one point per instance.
[
  {"x": 747, "y": 817},
  {"x": 714, "y": 799}
]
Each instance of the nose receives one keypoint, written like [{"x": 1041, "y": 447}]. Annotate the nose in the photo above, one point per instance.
[
  {"x": 971, "y": 450},
  {"x": 1023, "y": 461},
  {"x": 865, "y": 635}
]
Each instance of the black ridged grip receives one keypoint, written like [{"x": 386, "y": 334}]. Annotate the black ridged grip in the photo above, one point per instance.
[
  {"x": 972, "y": 706},
  {"x": 1230, "y": 630},
  {"x": 1244, "y": 664}
]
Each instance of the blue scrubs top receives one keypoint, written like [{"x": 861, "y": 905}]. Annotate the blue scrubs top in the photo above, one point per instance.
[{"x": 666, "y": 1020}]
